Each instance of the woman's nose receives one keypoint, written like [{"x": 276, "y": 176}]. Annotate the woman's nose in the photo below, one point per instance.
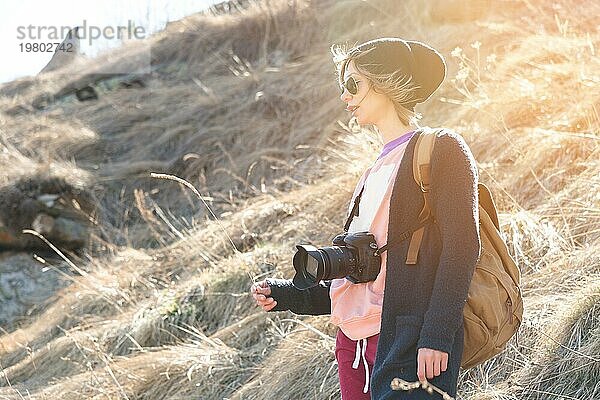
[{"x": 345, "y": 96}]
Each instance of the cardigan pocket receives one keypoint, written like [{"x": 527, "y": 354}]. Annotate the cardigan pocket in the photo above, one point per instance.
[{"x": 404, "y": 348}]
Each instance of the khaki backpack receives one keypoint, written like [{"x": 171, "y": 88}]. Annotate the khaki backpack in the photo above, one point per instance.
[{"x": 494, "y": 308}]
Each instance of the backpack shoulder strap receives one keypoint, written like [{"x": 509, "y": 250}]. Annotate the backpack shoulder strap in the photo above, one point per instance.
[
  {"x": 421, "y": 159},
  {"x": 422, "y": 176},
  {"x": 487, "y": 202}
]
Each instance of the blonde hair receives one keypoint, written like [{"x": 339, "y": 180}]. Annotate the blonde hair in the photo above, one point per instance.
[{"x": 398, "y": 87}]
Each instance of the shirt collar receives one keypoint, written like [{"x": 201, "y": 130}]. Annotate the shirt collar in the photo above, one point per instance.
[{"x": 389, "y": 146}]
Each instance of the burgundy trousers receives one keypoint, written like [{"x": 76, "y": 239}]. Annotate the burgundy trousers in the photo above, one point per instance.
[{"x": 355, "y": 360}]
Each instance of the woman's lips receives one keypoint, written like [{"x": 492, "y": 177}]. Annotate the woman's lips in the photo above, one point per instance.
[{"x": 351, "y": 108}]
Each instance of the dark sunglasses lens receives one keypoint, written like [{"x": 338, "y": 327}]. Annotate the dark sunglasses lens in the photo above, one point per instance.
[{"x": 351, "y": 85}]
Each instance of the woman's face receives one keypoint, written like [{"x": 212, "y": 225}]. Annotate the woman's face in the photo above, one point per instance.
[{"x": 368, "y": 106}]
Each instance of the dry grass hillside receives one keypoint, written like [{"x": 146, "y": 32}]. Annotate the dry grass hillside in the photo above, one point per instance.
[{"x": 245, "y": 107}]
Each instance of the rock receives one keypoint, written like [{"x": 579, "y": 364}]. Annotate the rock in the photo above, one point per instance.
[
  {"x": 48, "y": 205},
  {"x": 66, "y": 53},
  {"x": 48, "y": 199},
  {"x": 13, "y": 88},
  {"x": 42, "y": 101},
  {"x": 86, "y": 93},
  {"x": 71, "y": 233},
  {"x": 132, "y": 83},
  {"x": 17, "y": 110},
  {"x": 25, "y": 285}
]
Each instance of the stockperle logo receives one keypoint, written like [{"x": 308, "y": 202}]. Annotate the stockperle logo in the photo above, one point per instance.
[{"x": 84, "y": 32}]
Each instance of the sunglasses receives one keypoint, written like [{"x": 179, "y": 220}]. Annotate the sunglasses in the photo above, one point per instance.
[{"x": 351, "y": 85}]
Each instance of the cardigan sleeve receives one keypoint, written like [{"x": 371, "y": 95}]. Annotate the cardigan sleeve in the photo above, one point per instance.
[
  {"x": 311, "y": 301},
  {"x": 455, "y": 206}
]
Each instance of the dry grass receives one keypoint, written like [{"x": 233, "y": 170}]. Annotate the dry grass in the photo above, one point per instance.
[{"x": 245, "y": 108}]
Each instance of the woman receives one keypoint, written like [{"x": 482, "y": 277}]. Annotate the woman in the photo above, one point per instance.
[{"x": 414, "y": 332}]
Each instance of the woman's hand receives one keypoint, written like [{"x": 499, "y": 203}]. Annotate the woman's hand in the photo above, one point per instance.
[
  {"x": 431, "y": 363},
  {"x": 260, "y": 291}
]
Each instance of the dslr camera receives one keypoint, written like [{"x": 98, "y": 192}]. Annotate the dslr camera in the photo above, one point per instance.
[{"x": 353, "y": 255}]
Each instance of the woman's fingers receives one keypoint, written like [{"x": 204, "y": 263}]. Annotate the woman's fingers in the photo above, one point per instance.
[
  {"x": 260, "y": 291},
  {"x": 421, "y": 365},
  {"x": 261, "y": 287},
  {"x": 270, "y": 306},
  {"x": 261, "y": 299},
  {"x": 430, "y": 363},
  {"x": 264, "y": 288},
  {"x": 444, "y": 362},
  {"x": 266, "y": 303},
  {"x": 437, "y": 361}
]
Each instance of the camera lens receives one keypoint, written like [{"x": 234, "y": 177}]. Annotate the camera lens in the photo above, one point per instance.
[
  {"x": 312, "y": 267},
  {"x": 313, "y": 264},
  {"x": 340, "y": 261}
]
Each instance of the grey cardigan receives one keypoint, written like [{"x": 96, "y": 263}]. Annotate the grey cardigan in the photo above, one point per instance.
[{"x": 423, "y": 303}]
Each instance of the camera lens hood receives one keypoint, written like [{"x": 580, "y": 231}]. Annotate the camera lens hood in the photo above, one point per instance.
[{"x": 307, "y": 254}]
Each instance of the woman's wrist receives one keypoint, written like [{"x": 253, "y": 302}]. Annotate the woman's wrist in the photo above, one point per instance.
[{"x": 281, "y": 292}]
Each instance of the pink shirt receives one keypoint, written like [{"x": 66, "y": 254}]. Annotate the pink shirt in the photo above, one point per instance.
[{"x": 356, "y": 307}]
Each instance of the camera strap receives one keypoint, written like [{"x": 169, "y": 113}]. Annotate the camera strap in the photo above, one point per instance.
[
  {"x": 405, "y": 235},
  {"x": 354, "y": 209}
]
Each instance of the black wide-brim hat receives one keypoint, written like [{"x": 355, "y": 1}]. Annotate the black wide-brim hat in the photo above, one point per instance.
[{"x": 423, "y": 63}]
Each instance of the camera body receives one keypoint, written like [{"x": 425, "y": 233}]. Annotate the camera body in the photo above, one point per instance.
[
  {"x": 353, "y": 255},
  {"x": 368, "y": 261}
]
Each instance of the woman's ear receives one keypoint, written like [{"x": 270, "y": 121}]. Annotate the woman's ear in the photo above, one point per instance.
[{"x": 376, "y": 89}]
